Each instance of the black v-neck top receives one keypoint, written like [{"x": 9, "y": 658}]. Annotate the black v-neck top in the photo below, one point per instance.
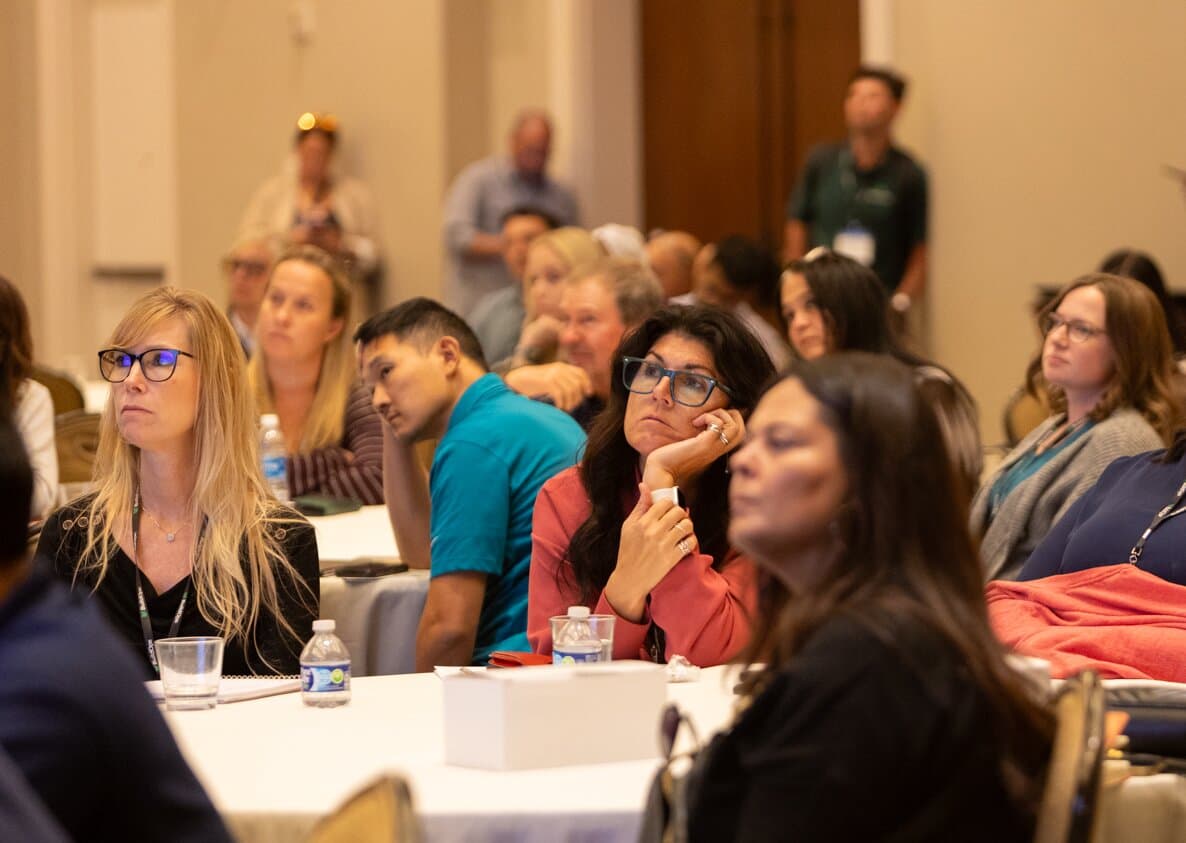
[{"x": 271, "y": 652}]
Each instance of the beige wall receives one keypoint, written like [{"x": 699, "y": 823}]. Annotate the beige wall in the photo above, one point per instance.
[
  {"x": 19, "y": 210},
  {"x": 1044, "y": 125},
  {"x": 242, "y": 78}
]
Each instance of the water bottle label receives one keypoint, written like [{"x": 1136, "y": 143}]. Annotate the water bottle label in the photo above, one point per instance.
[
  {"x": 576, "y": 656},
  {"x": 316, "y": 678},
  {"x": 276, "y": 468}
]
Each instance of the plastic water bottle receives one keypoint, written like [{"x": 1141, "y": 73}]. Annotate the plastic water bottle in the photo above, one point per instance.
[
  {"x": 274, "y": 456},
  {"x": 575, "y": 643},
  {"x": 325, "y": 668}
]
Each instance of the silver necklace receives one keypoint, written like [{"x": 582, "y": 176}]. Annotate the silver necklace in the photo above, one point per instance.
[{"x": 170, "y": 535}]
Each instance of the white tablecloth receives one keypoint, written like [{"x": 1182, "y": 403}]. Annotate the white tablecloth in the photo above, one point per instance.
[
  {"x": 273, "y": 767},
  {"x": 362, "y": 534},
  {"x": 377, "y": 619}
]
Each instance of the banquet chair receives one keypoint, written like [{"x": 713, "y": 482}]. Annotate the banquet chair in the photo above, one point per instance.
[
  {"x": 76, "y": 435},
  {"x": 63, "y": 391},
  {"x": 381, "y": 812},
  {"x": 1068, "y": 813}
]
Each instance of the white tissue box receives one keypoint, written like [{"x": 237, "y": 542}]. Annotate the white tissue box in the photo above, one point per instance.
[{"x": 526, "y": 717}]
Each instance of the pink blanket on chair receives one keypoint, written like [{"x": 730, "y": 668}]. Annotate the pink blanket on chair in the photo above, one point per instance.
[{"x": 1119, "y": 620}]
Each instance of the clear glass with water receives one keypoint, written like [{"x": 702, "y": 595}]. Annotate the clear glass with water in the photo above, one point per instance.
[{"x": 325, "y": 668}]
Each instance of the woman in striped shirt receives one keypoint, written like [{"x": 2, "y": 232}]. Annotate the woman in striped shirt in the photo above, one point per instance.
[{"x": 303, "y": 371}]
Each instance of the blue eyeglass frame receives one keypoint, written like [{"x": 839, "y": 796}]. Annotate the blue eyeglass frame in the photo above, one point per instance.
[{"x": 670, "y": 374}]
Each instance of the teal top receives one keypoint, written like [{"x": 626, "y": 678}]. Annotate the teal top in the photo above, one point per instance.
[
  {"x": 497, "y": 451},
  {"x": 1027, "y": 465}
]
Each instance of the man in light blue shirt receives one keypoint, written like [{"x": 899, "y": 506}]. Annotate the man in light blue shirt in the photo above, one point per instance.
[
  {"x": 481, "y": 196},
  {"x": 469, "y": 519}
]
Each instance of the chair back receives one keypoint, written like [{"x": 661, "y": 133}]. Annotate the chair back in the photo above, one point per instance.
[
  {"x": 76, "y": 435},
  {"x": 63, "y": 391},
  {"x": 1071, "y": 797},
  {"x": 381, "y": 812}
]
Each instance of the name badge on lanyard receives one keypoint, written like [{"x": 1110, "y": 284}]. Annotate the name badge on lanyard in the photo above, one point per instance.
[{"x": 856, "y": 241}]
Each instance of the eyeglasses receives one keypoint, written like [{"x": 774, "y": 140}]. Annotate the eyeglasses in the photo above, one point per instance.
[
  {"x": 691, "y": 389},
  {"x": 157, "y": 364},
  {"x": 1078, "y": 331},
  {"x": 232, "y": 265}
]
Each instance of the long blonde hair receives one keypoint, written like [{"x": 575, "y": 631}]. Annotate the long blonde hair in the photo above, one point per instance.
[
  {"x": 327, "y": 414},
  {"x": 240, "y": 560}
]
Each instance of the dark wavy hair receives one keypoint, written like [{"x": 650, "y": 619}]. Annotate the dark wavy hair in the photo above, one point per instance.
[
  {"x": 609, "y": 469},
  {"x": 853, "y": 302},
  {"x": 902, "y": 553},
  {"x": 16, "y": 346},
  {"x": 1129, "y": 263},
  {"x": 855, "y": 309}
]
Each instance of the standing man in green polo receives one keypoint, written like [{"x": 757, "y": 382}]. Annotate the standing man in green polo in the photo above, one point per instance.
[{"x": 866, "y": 197}]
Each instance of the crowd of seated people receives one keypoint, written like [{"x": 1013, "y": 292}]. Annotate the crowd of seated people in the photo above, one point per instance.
[{"x": 634, "y": 451}]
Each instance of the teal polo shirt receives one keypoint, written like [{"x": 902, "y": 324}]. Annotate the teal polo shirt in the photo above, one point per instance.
[{"x": 497, "y": 451}]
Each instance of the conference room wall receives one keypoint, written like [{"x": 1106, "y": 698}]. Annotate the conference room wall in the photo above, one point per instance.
[{"x": 1045, "y": 127}]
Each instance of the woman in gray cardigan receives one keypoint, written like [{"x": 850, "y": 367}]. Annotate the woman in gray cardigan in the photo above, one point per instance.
[{"x": 1107, "y": 363}]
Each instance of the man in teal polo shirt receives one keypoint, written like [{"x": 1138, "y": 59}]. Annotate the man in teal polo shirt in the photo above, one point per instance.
[{"x": 469, "y": 518}]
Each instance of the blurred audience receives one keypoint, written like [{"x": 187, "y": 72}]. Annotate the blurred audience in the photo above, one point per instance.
[
  {"x": 599, "y": 302},
  {"x": 469, "y": 522},
  {"x": 683, "y": 384},
  {"x": 877, "y": 704},
  {"x": 670, "y": 255},
  {"x": 831, "y": 303},
  {"x": 1106, "y": 364},
  {"x": 25, "y": 402},
  {"x": 498, "y": 318},
  {"x": 310, "y": 203},
  {"x": 180, "y": 491},
  {"x": 304, "y": 371},
  {"x": 621, "y": 241},
  {"x": 741, "y": 277},
  {"x": 550, "y": 258},
  {"x": 866, "y": 197},
  {"x": 1140, "y": 267},
  {"x": 246, "y": 267},
  {"x": 480, "y": 198},
  {"x": 74, "y": 715}
]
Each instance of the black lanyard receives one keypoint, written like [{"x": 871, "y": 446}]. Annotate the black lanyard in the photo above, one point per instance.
[
  {"x": 142, "y": 604},
  {"x": 1164, "y": 514}
]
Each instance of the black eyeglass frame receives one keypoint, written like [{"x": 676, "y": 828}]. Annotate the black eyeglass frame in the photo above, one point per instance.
[
  {"x": 670, "y": 374},
  {"x": 139, "y": 358}
]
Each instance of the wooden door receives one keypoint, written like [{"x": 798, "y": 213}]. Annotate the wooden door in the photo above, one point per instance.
[{"x": 734, "y": 95}]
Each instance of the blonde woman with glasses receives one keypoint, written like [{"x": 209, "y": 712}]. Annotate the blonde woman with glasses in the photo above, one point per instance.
[
  {"x": 303, "y": 370},
  {"x": 181, "y": 537}
]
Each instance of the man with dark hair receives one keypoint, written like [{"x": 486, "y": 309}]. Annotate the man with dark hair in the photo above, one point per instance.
[
  {"x": 469, "y": 520},
  {"x": 75, "y": 718},
  {"x": 498, "y": 317},
  {"x": 479, "y": 197},
  {"x": 866, "y": 197}
]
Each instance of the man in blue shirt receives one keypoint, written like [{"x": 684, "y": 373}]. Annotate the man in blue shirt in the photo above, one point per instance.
[
  {"x": 75, "y": 718},
  {"x": 469, "y": 518}
]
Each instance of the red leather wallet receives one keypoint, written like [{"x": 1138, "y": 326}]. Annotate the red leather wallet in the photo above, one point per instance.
[{"x": 510, "y": 658}]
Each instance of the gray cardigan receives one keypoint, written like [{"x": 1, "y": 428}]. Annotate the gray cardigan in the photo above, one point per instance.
[{"x": 1033, "y": 507}]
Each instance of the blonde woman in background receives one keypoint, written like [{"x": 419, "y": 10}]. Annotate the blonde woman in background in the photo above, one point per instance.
[
  {"x": 533, "y": 369},
  {"x": 303, "y": 370},
  {"x": 181, "y": 536}
]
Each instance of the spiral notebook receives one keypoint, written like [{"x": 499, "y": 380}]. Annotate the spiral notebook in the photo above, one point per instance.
[{"x": 234, "y": 689}]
